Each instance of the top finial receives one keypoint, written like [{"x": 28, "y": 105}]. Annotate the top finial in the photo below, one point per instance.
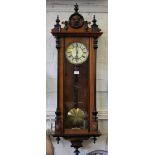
[{"x": 76, "y": 7}]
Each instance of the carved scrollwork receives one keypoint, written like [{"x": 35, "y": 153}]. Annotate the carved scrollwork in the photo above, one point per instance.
[
  {"x": 66, "y": 25},
  {"x": 86, "y": 25}
]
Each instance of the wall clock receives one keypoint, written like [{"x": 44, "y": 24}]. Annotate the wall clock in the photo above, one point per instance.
[{"x": 76, "y": 113}]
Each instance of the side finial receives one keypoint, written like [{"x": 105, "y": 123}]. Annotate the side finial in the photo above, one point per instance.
[
  {"x": 95, "y": 26},
  {"x": 57, "y": 26},
  {"x": 94, "y": 20},
  {"x": 57, "y": 20},
  {"x": 76, "y": 8}
]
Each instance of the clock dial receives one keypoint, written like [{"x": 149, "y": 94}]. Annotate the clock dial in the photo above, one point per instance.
[{"x": 77, "y": 53}]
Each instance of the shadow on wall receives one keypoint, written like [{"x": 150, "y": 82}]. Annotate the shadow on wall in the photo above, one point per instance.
[{"x": 49, "y": 145}]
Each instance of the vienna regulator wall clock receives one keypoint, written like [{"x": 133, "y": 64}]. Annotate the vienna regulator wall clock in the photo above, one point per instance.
[{"x": 76, "y": 113}]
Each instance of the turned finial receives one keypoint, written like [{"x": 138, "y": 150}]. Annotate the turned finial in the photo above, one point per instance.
[
  {"x": 76, "y": 8},
  {"x": 57, "y": 26},
  {"x": 57, "y": 20},
  {"x": 94, "y": 20}
]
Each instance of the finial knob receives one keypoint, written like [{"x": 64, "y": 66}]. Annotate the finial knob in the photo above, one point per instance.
[{"x": 76, "y": 7}]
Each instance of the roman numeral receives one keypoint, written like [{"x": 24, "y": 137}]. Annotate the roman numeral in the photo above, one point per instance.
[
  {"x": 71, "y": 47},
  {"x": 74, "y": 45},
  {"x": 79, "y": 45}
]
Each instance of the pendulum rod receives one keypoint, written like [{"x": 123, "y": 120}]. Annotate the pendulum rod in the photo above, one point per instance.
[{"x": 76, "y": 87}]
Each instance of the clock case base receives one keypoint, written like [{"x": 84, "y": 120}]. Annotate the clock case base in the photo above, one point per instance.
[{"x": 77, "y": 139}]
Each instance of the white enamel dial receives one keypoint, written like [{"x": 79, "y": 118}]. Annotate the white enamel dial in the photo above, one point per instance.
[{"x": 77, "y": 53}]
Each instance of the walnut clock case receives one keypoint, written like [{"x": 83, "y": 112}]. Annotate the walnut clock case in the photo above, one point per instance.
[{"x": 76, "y": 113}]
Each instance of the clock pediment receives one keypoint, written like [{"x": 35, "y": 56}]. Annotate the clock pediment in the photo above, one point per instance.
[{"x": 76, "y": 26}]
